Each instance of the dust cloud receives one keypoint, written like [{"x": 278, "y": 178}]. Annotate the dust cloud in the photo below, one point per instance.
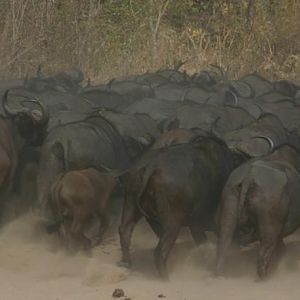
[{"x": 34, "y": 266}]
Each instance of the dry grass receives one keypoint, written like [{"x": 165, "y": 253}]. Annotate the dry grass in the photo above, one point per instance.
[{"x": 115, "y": 39}]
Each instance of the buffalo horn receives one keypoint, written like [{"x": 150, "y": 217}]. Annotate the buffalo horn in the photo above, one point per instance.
[
  {"x": 268, "y": 139},
  {"x": 8, "y": 110},
  {"x": 45, "y": 114},
  {"x": 213, "y": 127},
  {"x": 236, "y": 100}
]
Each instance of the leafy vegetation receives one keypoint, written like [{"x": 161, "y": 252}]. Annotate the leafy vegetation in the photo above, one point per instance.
[{"x": 115, "y": 38}]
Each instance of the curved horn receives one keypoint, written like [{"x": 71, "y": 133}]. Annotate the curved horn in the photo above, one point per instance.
[
  {"x": 45, "y": 113},
  {"x": 9, "y": 111},
  {"x": 206, "y": 74},
  {"x": 236, "y": 99},
  {"x": 107, "y": 169},
  {"x": 268, "y": 139},
  {"x": 213, "y": 127}
]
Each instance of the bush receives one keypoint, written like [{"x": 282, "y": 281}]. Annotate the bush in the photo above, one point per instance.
[{"x": 109, "y": 39}]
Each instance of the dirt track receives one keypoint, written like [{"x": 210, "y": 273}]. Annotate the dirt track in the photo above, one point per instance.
[{"x": 34, "y": 267}]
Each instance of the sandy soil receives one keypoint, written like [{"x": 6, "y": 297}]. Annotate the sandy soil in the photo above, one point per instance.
[{"x": 33, "y": 266}]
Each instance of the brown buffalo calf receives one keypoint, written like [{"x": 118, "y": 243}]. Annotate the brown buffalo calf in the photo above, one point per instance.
[{"x": 75, "y": 198}]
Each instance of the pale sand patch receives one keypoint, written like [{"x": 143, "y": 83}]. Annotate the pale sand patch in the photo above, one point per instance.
[{"x": 33, "y": 267}]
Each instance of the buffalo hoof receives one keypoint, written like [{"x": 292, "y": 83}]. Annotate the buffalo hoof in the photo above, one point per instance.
[{"x": 124, "y": 264}]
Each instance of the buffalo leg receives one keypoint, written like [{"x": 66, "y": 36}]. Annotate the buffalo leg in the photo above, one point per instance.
[
  {"x": 104, "y": 222},
  {"x": 227, "y": 224},
  {"x": 77, "y": 234},
  {"x": 266, "y": 252},
  {"x": 270, "y": 240},
  {"x": 64, "y": 234},
  {"x": 165, "y": 245},
  {"x": 198, "y": 234},
  {"x": 130, "y": 217},
  {"x": 76, "y": 230}
]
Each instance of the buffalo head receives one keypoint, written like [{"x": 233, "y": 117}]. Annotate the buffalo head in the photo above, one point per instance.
[{"x": 31, "y": 123}]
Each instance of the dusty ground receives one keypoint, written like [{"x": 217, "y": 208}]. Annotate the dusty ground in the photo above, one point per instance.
[{"x": 33, "y": 267}]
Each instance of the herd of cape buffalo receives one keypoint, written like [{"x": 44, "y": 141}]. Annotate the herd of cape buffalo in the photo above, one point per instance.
[{"x": 200, "y": 150}]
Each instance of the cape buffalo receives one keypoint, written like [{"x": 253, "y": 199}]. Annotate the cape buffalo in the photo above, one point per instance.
[
  {"x": 259, "y": 137},
  {"x": 20, "y": 128},
  {"x": 173, "y": 187},
  {"x": 208, "y": 117},
  {"x": 104, "y": 140},
  {"x": 260, "y": 201},
  {"x": 93, "y": 142}
]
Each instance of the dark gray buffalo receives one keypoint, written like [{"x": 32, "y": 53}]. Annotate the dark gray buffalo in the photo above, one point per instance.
[
  {"x": 260, "y": 137},
  {"x": 130, "y": 89},
  {"x": 65, "y": 81},
  {"x": 256, "y": 84},
  {"x": 98, "y": 97},
  {"x": 105, "y": 140},
  {"x": 208, "y": 117},
  {"x": 173, "y": 187},
  {"x": 260, "y": 201},
  {"x": 20, "y": 128},
  {"x": 162, "y": 76},
  {"x": 287, "y": 111},
  {"x": 159, "y": 110}
]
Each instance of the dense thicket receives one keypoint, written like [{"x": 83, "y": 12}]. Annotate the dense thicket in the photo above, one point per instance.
[{"x": 114, "y": 38}]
